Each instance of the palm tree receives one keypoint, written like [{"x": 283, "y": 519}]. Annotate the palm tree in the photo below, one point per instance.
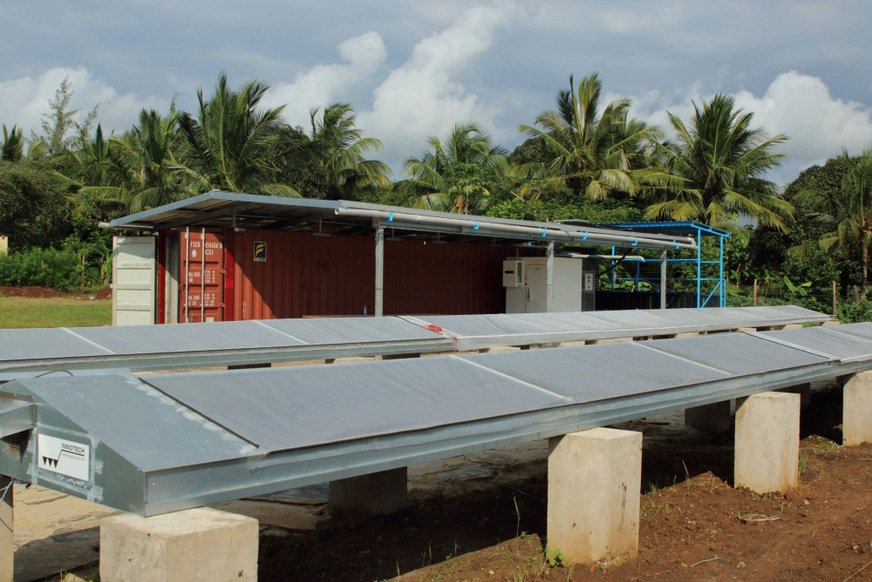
[
  {"x": 12, "y": 148},
  {"x": 95, "y": 166},
  {"x": 848, "y": 212},
  {"x": 599, "y": 153},
  {"x": 718, "y": 164},
  {"x": 341, "y": 151},
  {"x": 230, "y": 141},
  {"x": 458, "y": 174},
  {"x": 146, "y": 156}
]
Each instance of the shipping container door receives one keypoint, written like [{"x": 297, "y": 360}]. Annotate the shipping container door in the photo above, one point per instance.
[
  {"x": 201, "y": 293},
  {"x": 133, "y": 279}
]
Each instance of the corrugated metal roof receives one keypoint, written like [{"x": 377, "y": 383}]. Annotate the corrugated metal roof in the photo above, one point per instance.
[
  {"x": 233, "y": 210},
  {"x": 686, "y": 228}
]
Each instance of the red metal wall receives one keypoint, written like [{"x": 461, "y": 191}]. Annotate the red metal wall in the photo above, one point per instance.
[
  {"x": 429, "y": 278},
  {"x": 303, "y": 275}
]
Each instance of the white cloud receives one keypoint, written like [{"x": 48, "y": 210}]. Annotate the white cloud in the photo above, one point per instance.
[
  {"x": 423, "y": 97},
  {"x": 25, "y": 100},
  {"x": 800, "y": 106},
  {"x": 323, "y": 85},
  {"x": 818, "y": 124}
]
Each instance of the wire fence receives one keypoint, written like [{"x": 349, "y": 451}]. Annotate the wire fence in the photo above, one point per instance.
[{"x": 847, "y": 304}]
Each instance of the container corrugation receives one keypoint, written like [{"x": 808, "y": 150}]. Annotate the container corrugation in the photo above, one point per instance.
[
  {"x": 274, "y": 274},
  {"x": 301, "y": 275},
  {"x": 431, "y": 278}
]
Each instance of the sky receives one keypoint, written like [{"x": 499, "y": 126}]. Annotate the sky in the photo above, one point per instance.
[{"x": 412, "y": 69}]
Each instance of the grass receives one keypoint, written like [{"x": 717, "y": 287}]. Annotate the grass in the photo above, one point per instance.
[{"x": 18, "y": 312}]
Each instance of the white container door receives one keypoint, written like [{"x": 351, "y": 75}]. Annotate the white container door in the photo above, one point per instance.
[{"x": 133, "y": 280}]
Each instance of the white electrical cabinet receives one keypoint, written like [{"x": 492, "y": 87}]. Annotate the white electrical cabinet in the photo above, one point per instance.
[{"x": 526, "y": 283}]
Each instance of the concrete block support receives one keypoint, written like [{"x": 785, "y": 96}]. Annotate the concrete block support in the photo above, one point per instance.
[
  {"x": 767, "y": 442},
  {"x": 380, "y": 493},
  {"x": 711, "y": 418},
  {"x": 196, "y": 544},
  {"x": 857, "y": 415},
  {"x": 594, "y": 482},
  {"x": 7, "y": 532},
  {"x": 804, "y": 391}
]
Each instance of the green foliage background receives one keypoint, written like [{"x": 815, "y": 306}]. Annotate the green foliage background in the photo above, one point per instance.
[{"x": 583, "y": 160}]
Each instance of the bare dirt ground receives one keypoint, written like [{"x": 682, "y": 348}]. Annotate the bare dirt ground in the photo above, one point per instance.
[
  {"x": 483, "y": 519},
  {"x": 694, "y": 524}
]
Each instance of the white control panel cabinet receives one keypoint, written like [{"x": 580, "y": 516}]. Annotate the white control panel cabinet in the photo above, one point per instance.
[{"x": 525, "y": 280}]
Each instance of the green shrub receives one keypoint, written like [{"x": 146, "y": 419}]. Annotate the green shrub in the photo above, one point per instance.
[
  {"x": 854, "y": 311},
  {"x": 57, "y": 269}
]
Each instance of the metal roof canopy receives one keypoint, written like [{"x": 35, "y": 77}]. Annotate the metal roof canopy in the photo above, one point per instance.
[
  {"x": 218, "y": 209},
  {"x": 233, "y": 210},
  {"x": 27, "y": 352},
  {"x": 695, "y": 230},
  {"x": 174, "y": 441}
]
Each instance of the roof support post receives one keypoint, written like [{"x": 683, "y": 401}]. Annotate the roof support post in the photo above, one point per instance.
[
  {"x": 721, "y": 282},
  {"x": 381, "y": 493},
  {"x": 663, "y": 279},
  {"x": 549, "y": 278},
  {"x": 7, "y": 532},
  {"x": 379, "y": 270},
  {"x": 698, "y": 268}
]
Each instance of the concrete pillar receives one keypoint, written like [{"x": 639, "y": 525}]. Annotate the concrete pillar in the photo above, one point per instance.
[
  {"x": 196, "y": 544},
  {"x": 857, "y": 414},
  {"x": 594, "y": 482},
  {"x": 612, "y": 340},
  {"x": 804, "y": 391},
  {"x": 497, "y": 349},
  {"x": 710, "y": 418},
  {"x": 350, "y": 359},
  {"x": 7, "y": 531},
  {"x": 380, "y": 493},
  {"x": 767, "y": 442}
]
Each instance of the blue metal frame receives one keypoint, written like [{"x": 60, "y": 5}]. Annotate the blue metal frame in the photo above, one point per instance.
[{"x": 698, "y": 230}]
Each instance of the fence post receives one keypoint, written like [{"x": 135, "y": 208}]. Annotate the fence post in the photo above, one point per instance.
[
  {"x": 755, "y": 292},
  {"x": 835, "y": 296}
]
